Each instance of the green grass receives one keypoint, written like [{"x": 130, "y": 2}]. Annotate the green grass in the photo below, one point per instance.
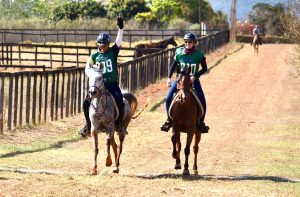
[{"x": 279, "y": 151}]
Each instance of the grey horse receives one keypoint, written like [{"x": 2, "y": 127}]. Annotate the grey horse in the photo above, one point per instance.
[{"x": 103, "y": 113}]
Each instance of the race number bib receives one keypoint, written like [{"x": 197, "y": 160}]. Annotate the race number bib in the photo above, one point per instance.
[
  {"x": 104, "y": 66},
  {"x": 186, "y": 66}
]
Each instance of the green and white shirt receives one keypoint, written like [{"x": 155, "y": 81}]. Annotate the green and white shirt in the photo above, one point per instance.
[
  {"x": 106, "y": 63},
  {"x": 185, "y": 61}
]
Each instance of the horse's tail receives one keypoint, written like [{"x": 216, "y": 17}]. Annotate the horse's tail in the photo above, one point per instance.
[
  {"x": 134, "y": 104},
  {"x": 141, "y": 110}
]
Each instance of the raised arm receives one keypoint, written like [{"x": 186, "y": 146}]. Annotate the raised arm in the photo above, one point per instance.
[{"x": 119, "y": 37}]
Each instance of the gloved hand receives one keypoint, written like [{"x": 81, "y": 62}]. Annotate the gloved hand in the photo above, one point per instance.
[
  {"x": 120, "y": 22},
  {"x": 169, "y": 82}
]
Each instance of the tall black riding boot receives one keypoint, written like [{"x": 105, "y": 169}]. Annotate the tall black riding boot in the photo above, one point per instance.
[
  {"x": 87, "y": 128},
  {"x": 120, "y": 122},
  {"x": 202, "y": 127},
  {"x": 167, "y": 125}
]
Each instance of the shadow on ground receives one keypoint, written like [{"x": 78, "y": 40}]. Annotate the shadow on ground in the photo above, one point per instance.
[
  {"x": 56, "y": 145},
  {"x": 219, "y": 177}
]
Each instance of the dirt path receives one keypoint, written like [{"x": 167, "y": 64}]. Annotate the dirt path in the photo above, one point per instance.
[{"x": 247, "y": 95}]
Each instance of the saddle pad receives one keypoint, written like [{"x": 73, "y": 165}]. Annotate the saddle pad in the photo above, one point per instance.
[{"x": 197, "y": 100}]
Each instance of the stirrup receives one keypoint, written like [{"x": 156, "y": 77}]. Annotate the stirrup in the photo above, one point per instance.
[
  {"x": 86, "y": 130},
  {"x": 203, "y": 128},
  {"x": 166, "y": 126},
  {"x": 122, "y": 130}
]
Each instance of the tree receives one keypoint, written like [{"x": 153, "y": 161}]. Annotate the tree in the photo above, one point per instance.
[
  {"x": 5, "y": 6},
  {"x": 161, "y": 12},
  {"x": 21, "y": 9},
  {"x": 73, "y": 10},
  {"x": 268, "y": 17},
  {"x": 220, "y": 20},
  {"x": 92, "y": 9},
  {"x": 291, "y": 24},
  {"x": 291, "y": 21},
  {"x": 127, "y": 8},
  {"x": 190, "y": 10}
]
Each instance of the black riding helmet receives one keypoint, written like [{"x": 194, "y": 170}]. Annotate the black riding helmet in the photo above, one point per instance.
[
  {"x": 190, "y": 36},
  {"x": 103, "y": 38}
]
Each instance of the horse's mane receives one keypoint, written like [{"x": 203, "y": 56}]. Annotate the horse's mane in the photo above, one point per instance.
[
  {"x": 184, "y": 81},
  {"x": 164, "y": 43},
  {"x": 161, "y": 44},
  {"x": 153, "y": 47}
]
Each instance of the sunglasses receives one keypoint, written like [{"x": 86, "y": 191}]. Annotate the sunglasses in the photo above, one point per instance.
[
  {"x": 188, "y": 41},
  {"x": 102, "y": 45}
]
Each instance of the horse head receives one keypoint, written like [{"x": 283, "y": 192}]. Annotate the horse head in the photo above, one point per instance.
[
  {"x": 172, "y": 41},
  {"x": 184, "y": 81},
  {"x": 96, "y": 83}
]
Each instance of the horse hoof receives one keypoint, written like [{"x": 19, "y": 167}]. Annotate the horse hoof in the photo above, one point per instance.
[
  {"x": 177, "y": 166},
  {"x": 186, "y": 172},
  {"x": 94, "y": 171},
  {"x": 116, "y": 170},
  {"x": 196, "y": 172},
  {"x": 108, "y": 161}
]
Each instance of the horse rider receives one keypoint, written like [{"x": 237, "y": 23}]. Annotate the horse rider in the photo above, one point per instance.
[
  {"x": 185, "y": 57},
  {"x": 105, "y": 59},
  {"x": 256, "y": 31}
]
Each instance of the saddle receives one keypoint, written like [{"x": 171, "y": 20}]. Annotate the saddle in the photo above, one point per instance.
[{"x": 196, "y": 98}]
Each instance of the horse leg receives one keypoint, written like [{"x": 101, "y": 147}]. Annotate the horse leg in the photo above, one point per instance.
[
  {"x": 255, "y": 46},
  {"x": 187, "y": 152},
  {"x": 120, "y": 148},
  {"x": 94, "y": 169},
  {"x": 108, "y": 158},
  {"x": 178, "y": 162},
  {"x": 115, "y": 149},
  {"x": 176, "y": 148},
  {"x": 196, "y": 148},
  {"x": 174, "y": 141}
]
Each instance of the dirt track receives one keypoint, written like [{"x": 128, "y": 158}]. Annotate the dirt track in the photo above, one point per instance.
[{"x": 246, "y": 95}]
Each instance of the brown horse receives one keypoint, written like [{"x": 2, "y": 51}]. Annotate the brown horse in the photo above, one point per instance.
[
  {"x": 255, "y": 43},
  {"x": 185, "y": 111},
  {"x": 142, "y": 49}
]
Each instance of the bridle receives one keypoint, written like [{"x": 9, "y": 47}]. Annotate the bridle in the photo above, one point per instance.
[{"x": 100, "y": 97}]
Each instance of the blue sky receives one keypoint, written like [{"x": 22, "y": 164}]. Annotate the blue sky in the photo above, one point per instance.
[{"x": 243, "y": 6}]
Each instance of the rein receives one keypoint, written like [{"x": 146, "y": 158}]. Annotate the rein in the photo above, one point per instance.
[{"x": 100, "y": 99}]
